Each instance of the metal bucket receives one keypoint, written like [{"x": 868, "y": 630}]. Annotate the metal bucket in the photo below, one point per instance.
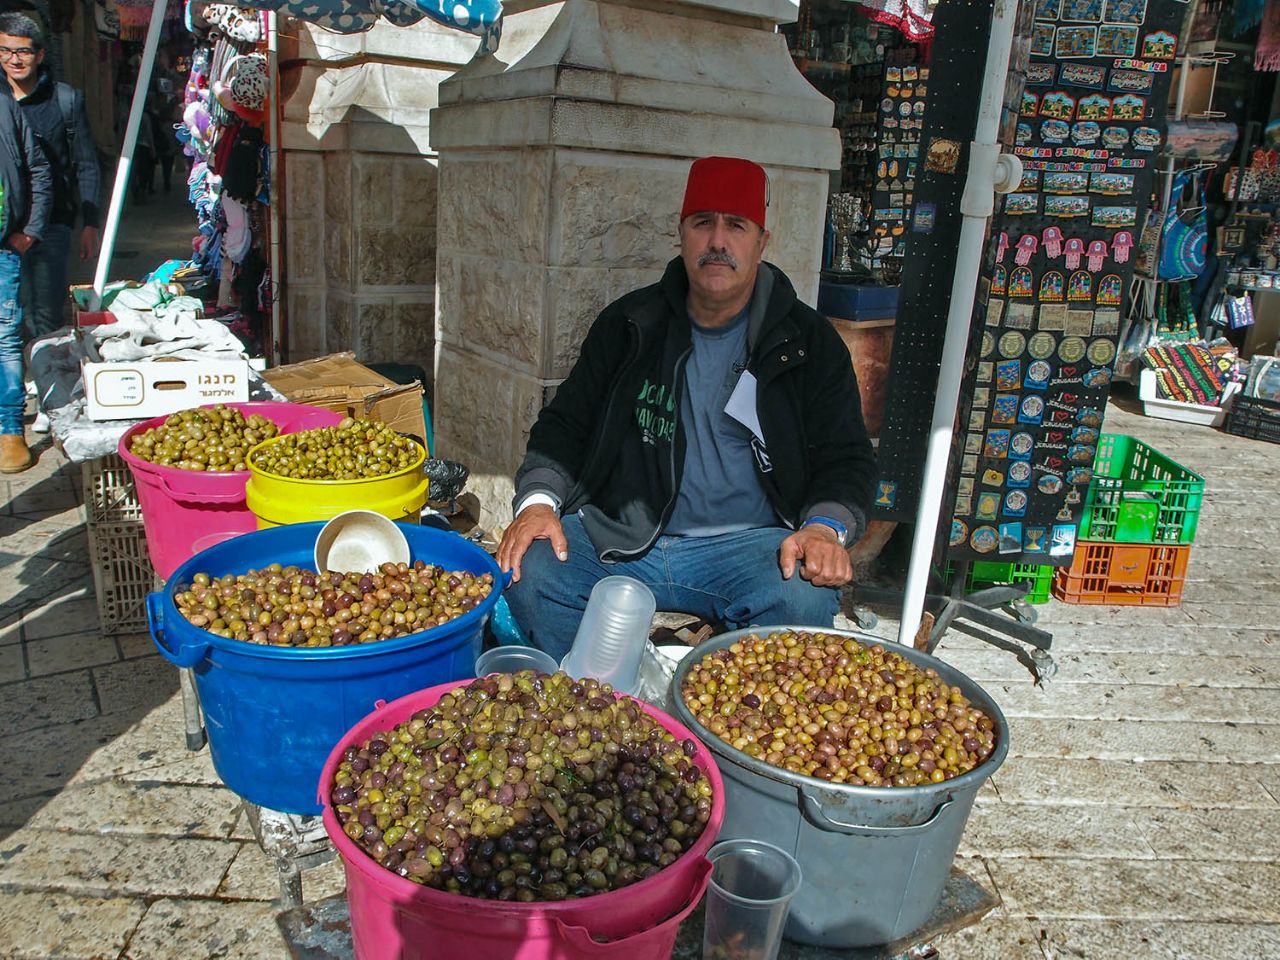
[{"x": 875, "y": 859}]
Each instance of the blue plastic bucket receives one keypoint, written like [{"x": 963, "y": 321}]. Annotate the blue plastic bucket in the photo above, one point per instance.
[{"x": 273, "y": 713}]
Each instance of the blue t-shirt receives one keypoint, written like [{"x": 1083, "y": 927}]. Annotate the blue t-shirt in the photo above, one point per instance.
[{"x": 719, "y": 489}]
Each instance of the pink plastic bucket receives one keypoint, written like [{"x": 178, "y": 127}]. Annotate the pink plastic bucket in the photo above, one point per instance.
[
  {"x": 184, "y": 511},
  {"x": 395, "y": 918}
]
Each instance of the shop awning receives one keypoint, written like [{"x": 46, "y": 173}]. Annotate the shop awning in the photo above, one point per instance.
[{"x": 356, "y": 16}]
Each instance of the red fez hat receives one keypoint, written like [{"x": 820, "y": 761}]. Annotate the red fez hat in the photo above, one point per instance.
[{"x": 726, "y": 185}]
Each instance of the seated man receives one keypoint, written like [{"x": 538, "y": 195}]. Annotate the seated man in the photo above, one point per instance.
[{"x": 708, "y": 442}]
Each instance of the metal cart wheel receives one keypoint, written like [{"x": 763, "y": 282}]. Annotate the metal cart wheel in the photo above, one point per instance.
[
  {"x": 865, "y": 618},
  {"x": 1025, "y": 611}
]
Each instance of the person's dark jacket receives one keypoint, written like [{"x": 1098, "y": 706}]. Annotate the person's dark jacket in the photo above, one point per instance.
[
  {"x": 609, "y": 444},
  {"x": 75, "y": 164},
  {"x": 24, "y": 171}
]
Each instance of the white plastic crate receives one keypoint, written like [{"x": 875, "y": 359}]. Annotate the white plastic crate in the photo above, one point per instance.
[{"x": 1153, "y": 405}]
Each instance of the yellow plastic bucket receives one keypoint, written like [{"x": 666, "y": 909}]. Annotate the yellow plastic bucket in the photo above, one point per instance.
[{"x": 277, "y": 500}]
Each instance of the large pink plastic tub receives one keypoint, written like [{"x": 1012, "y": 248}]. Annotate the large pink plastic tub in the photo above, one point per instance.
[
  {"x": 185, "y": 511},
  {"x": 396, "y": 919}
]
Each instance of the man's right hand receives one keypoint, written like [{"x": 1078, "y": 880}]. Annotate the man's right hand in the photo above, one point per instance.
[
  {"x": 21, "y": 243},
  {"x": 535, "y": 522}
]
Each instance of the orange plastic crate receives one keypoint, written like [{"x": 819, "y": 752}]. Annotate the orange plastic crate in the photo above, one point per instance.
[{"x": 1124, "y": 574}]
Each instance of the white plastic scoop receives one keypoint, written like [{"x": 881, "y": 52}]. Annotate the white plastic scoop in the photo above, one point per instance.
[{"x": 360, "y": 541}]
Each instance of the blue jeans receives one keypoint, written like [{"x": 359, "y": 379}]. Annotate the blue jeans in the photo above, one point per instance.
[
  {"x": 733, "y": 578},
  {"x": 13, "y": 398},
  {"x": 44, "y": 281}
]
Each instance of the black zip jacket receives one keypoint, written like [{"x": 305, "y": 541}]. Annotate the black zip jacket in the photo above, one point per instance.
[
  {"x": 75, "y": 164},
  {"x": 24, "y": 171},
  {"x": 610, "y": 445}
]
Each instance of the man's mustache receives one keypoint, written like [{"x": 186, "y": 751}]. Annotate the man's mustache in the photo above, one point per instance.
[{"x": 717, "y": 256}]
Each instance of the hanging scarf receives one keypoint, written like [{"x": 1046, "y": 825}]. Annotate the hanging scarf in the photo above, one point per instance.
[
  {"x": 1267, "y": 56},
  {"x": 1246, "y": 15},
  {"x": 913, "y": 17}
]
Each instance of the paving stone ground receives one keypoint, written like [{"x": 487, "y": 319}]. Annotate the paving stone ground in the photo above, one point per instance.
[{"x": 1138, "y": 814}]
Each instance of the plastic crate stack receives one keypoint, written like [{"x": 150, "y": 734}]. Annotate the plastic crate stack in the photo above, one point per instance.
[
  {"x": 1136, "y": 531},
  {"x": 983, "y": 573},
  {"x": 1254, "y": 418},
  {"x": 122, "y": 571}
]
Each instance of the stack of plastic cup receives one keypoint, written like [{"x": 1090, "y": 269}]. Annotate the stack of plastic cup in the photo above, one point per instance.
[
  {"x": 611, "y": 638},
  {"x": 752, "y": 883},
  {"x": 513, "y": 659}
]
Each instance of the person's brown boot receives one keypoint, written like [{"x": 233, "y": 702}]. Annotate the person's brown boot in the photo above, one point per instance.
[{"x": 14, "y": 454}]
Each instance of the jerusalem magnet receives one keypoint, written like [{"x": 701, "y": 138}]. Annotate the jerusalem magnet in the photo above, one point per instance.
[
  {"x": 1031, "y": 409},
  {"x": 1042, "y": 39},
  {"x": 1111, "y": 184},
  {"x": 1038, "y": 373},
  {"x": 1071, "y": 350},
  {"x": 977, "y": 419},
  {"x": 943, "y": 156},
  {"x": 1160, "y": 45},
  {"x": 1112, "y": 217},
  {"x": 1085, "y": 132},
  {"x": 1080, "y": 288},
  {"x": 1115, "y": 138},
  {"x": 964, "y": 506},
  {"x": 1040, "y": 74},
  {"x": 1010, "y": 536},
  {"x": 1065, "y": 206},
  {"x": 1085, "y": 435},
  {"x": 973, "y": 443},
  {"x": 969, "y": 463},
  {"x": 1047, "y": 9},
  {"x": 1005, "y": 408},
  {"x": 1097, "y": 377},
  {"x": 1055, "y": 131},
  {"x": 995, "y": 311},
  {"x": 1128, "y": 106},
  {"x": 1049, "y": 484},
  {"x": 1101, "y": 352},
  {"x": 1090, "y": 417},
  {"x": 1081, "y": 11},
  {"x": 1022, "y": 134},
  {"x": 1041, "y": 345},
  {"x": 1053, "y": 317},
  {"x": 1109, "y": 291},
  {"x": 1082, "y": 75},
  {"x": 1015, "y": 505},
  {"x": 987, "y": 506},
  {"x": 1021, "y": 283},
  {"x": 1075, "y": 43},
  {"x": 1021, "y": 204},
  {"x": 1080, "y": 476},
  {"x": 984, "y": 539},
  {"x": 986, "y": 369},
  {"x": 959, "y": 533},
  {"x": 1131, "y": 81},
  {"x": 965, "y": 487},
  {"x": 1081, "y": 453},
  {"x": 1095, "y": 107},
  {"x": 886, "y": 493},
  {"x": 981, "y": 396},
  {"x": 1146, "y": 138},
  {"x": 1033, "y": 539},
  {"x": 1020, "y": 316},
  {"x": 1115, "y": 41},
  {"x": 1021, "y": 446},
  {"x": 1008, "y": 374},
  {"x": 1079, "y": 323},
  {"x": 1019, "y": 474},
  {"x": 1012, "y": 344},
  {"x": 992, "y": 478},
  {"x": 1052, "y": 287},
  {"x": 1065, "y": 183},
  {"x": 1030, "y": 104},
  {"x": 1056, "y": 105},
  {"x": 1125, "y": 11},
  {"x": 1063, "y": 540},
  {"x": 988, "y": 346}
]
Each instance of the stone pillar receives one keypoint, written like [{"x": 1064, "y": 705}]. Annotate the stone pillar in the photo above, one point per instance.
[
  {"x": 562, "y": 167},
  {"x": 360, "y": 190}
]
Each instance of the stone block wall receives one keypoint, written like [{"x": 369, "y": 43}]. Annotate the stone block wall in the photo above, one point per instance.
[{"x": 361, "y": 188}]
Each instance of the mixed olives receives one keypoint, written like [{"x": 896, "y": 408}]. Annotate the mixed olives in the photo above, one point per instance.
[
  {"x": 293, "y": 607},
  {"x": 524, "y": 787},
  {"x": 352, "y": 450},
  {"x": 833, "y": 708},
  {"x": 212, "y": 439}
]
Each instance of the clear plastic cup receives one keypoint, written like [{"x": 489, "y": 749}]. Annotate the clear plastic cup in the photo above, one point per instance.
[
  {"x": 513, "y": 659},
  {"x": 752, "y": 883},
  {"x": 611, "y": 638}
]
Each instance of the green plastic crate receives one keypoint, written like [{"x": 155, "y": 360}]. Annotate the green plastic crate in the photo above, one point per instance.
[
  {"x": 984, "y": 573},
  {"x": 1138, "y": 495}
]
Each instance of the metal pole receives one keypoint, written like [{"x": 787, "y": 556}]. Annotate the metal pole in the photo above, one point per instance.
[
  {"x": 273, "y": 185},
  {"x": 121, "y": 187},
  {"x": 976, "y": 206}
]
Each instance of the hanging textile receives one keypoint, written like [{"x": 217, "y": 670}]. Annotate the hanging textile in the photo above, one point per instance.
[
  {"x": 480, "y": 17},
  {"x": 1267, "y": 56},
  {"x": 913, "y": 17},
  {"x": 134, "y": 15}
]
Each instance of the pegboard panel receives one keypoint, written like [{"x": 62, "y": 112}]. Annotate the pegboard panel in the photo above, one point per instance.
[
  {"x": 933, "y": 232},
  {"x": 1061, "y": 254}
]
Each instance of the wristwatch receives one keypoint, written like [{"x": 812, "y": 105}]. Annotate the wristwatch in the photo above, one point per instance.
[{"x": 842, "y": 532}]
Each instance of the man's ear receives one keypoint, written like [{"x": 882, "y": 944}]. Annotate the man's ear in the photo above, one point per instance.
[{"x": 764, "y": 239}]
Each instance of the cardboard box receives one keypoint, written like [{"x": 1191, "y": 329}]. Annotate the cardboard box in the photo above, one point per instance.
[
  {"x": 154, "y": 388},
  {"x": 337, "y": 382}
]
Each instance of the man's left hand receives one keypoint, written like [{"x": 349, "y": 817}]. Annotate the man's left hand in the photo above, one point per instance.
[
  {"x": 21, "y": 243},
  {"x": 816, "y": 548},
  {"x": 89, "y": 243}
]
